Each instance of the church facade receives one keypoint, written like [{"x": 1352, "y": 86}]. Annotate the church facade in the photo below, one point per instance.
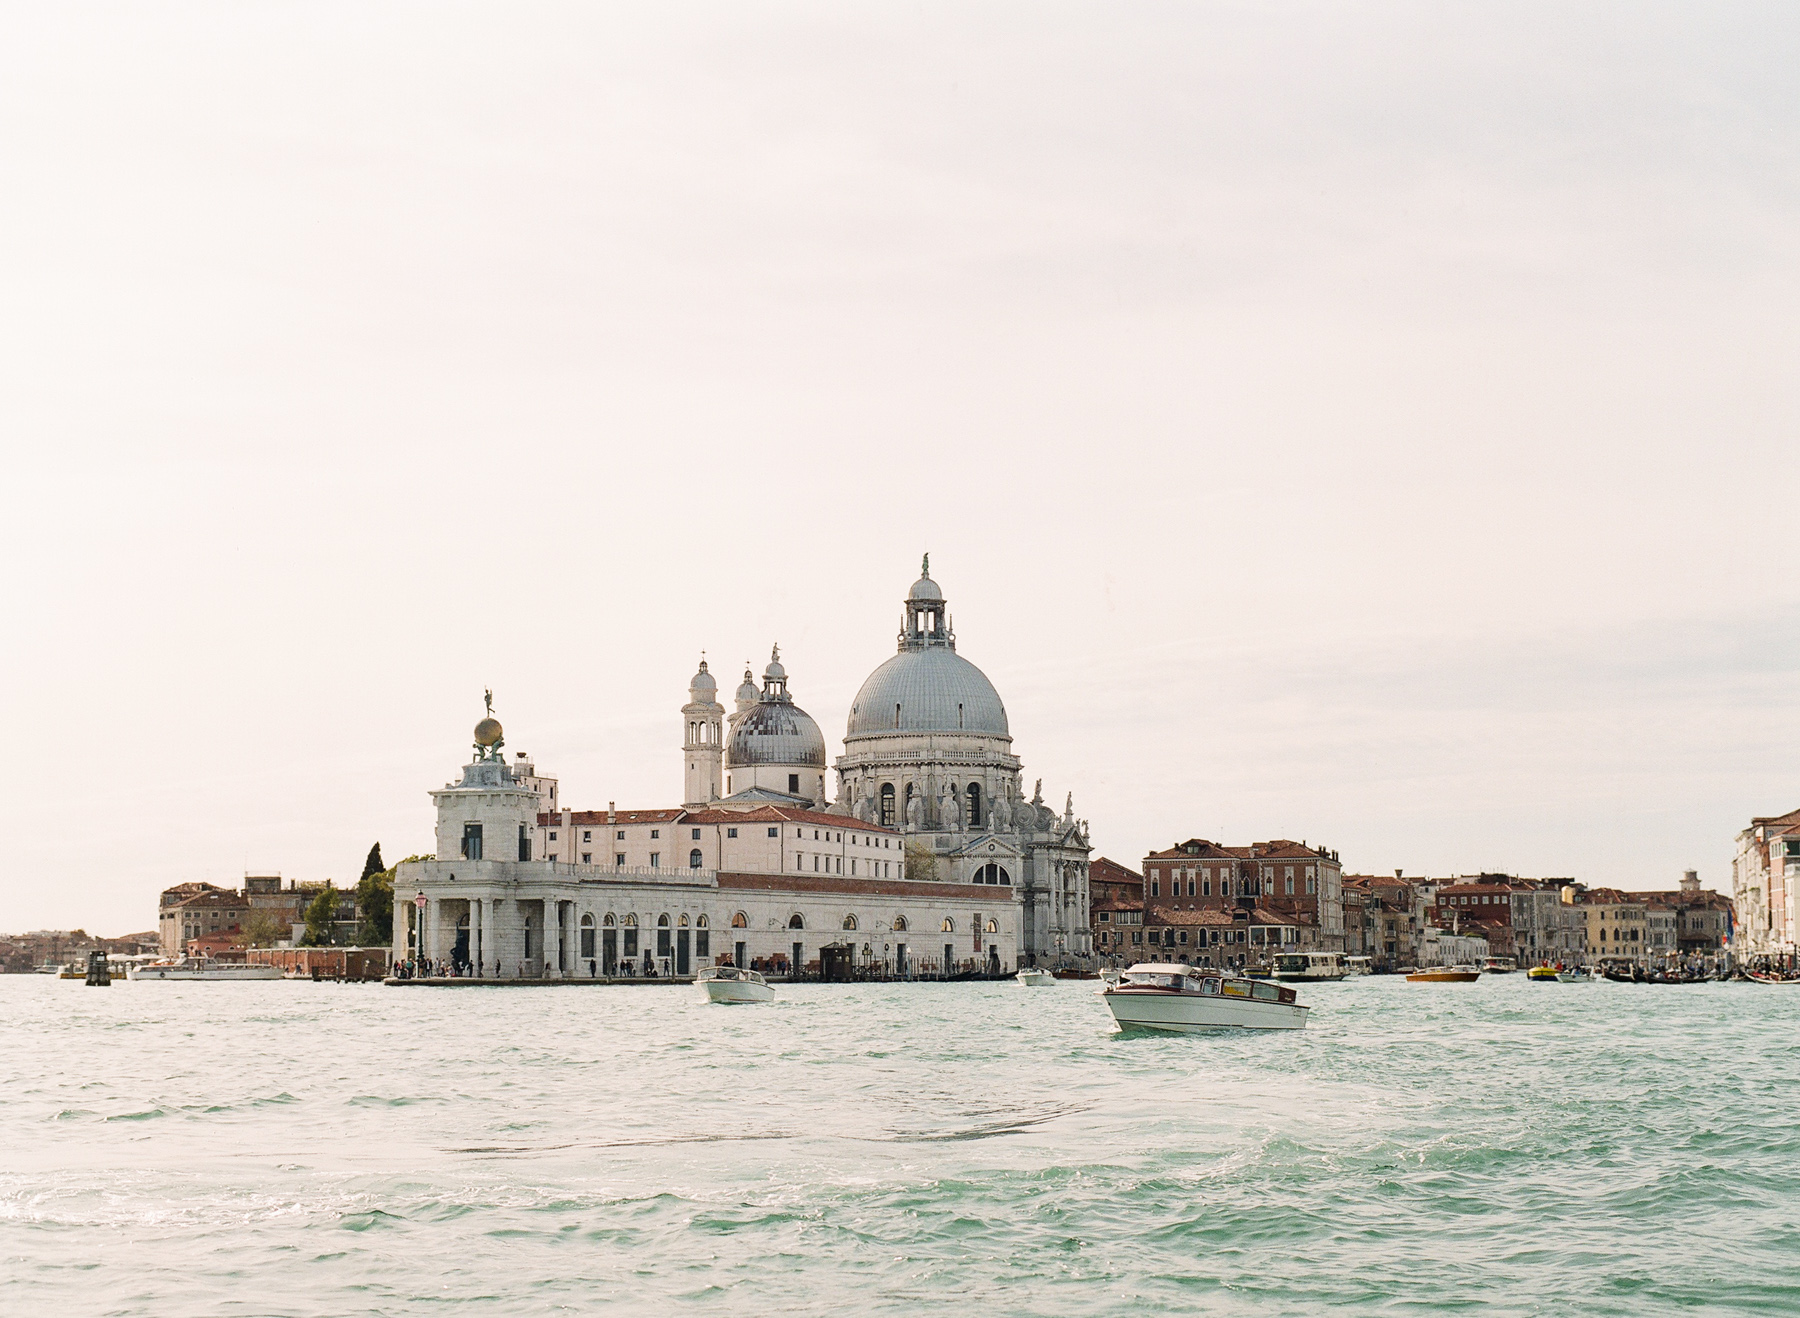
[{"x": 928, "y": 859}]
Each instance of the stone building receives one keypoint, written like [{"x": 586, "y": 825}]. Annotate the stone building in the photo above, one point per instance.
[
  {"x": 1302, "y": 884},
  {"x": 928, "y": 860},
  {"x": 1765, "y": 888}
]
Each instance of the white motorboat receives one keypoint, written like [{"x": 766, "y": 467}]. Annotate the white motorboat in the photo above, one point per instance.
[
  {"x": 730, "y": 984},
  {"x": 1034, "y": 976},
  {"x": 1192, "y": 999},
  {"x": 1291, "y": 967},
  {"x": 202, "y": 967}
]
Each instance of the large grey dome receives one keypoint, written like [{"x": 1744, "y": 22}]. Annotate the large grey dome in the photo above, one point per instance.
[
  {"x": 936, "y": 690},
  {"x": 775, "y": 732}
]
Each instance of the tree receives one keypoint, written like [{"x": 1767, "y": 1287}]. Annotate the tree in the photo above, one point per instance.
[
  {"x": 319, "y": 915},
  {"x": 921, "y": 863},
  {"x": 373, "y": 864},
  {"x": 375, "y": 907},
  {"x": 264, "y": 928}
]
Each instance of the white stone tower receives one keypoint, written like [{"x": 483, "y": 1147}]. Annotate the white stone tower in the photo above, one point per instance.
[{"x": 703, "y": 747}]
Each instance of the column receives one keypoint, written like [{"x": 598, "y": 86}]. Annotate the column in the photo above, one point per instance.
[
  {"x": 478, "y": 934},
  {"x": 428, "y": 942}
]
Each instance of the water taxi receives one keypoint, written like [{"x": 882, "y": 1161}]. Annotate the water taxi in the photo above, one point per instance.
[
  {"x": 1542, "y": 975},
  {"x": 201, "y": 968},
  {"x": 1294, "y": 966},
  {"x": 1499, "y": 965},
  {"x": 1359, "y": 965},
  {"x": 730, "y": 984},
  {"x": 1445, "y": 975},
  {"x": 1034, "y": 976},
  {"x": 1192, "y": 999}
]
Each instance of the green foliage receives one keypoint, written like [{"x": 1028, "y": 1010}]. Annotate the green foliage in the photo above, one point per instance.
[
  {"x": 921, "y": 863},
  {"x": 264, "y": 929},
  {"x": 373, "y": 864},
  {"x": 375, "y": 908},
  {"x": 319, "y": 915}
]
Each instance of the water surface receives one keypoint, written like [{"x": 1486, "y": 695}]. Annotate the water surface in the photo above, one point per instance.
[{"x": 316, "y": 1149}]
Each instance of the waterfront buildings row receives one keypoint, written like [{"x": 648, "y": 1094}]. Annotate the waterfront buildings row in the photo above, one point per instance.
[
  {"x": 1212, "y": 904},
  {"x": 205, "y": 918},
  {"x": 929, "y": 858},
  {"x": 1765, "y": 887}
]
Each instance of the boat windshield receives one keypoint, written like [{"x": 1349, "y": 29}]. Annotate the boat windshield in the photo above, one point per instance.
[
  {"x": 1147, "y": 979},
  {"x": 1292, "y": 961}
]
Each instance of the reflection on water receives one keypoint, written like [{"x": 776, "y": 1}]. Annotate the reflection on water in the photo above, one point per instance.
[{"x": 320, "y": 1149}]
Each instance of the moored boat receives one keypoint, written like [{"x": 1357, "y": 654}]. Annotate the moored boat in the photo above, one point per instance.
[
  {"x": 1291, "y": 967},
  {"x": 1034, "y": 976},
  {"x": 731, "y": 984},
  {"x": 1445, "y": 975},
  {"x": 1192, "y": 999},
  {"x": 201, "y": 968},
  {"x": 1542, "y": 974}
]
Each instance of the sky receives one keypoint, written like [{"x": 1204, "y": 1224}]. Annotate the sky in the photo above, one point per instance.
[{"x": 1367, "y": 424}]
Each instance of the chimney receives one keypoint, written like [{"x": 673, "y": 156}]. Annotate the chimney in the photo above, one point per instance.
[{"x": 612, "y": 815}]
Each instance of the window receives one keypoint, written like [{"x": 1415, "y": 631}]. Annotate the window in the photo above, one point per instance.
[
  {"x": 899, "y": 924},
  {"x": 850, "y": 922},
  {"x": 587, "y": 835},
  {"x": 740, "y": 921},
  {"x": 993, "y": 926},
  {"x": 553, "y": 835},
  {"x": 949, "y": 925},
  {"x": 887, "y": 804},
  {"x": 587, "y": 858},
  {"x": 619, "y": 860},
  {"x": 619, "y": 836},
  {"x": 1290, "y": 883},
  {"x": 974, "y": 795},
  {"x": 1312, "y": 887},
  {"x": 694, "y": 859},
  {"x": 471, "y": 842},
  {"x": 795, "y": 922},
  {"x": 656, "y": 832},
  {"x": 793, "y": 784},
  {"x": 655, "y": 859},
  {"x": 1155, "y": 891},
  {"x": 731, "y": 832},
  {"x": 696, "y": 835},
  {"x": 1206, "y": 887},
  {"x": 772, "y": 833}
]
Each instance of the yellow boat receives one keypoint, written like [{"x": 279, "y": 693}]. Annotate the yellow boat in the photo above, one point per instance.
[{"x": 1542, "y": 974}]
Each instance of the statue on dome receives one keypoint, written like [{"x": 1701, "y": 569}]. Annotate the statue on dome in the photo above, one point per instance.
[{"x": 949, "y": 809}]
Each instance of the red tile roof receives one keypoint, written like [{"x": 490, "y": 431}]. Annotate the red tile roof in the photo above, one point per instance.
[{"x": 1105, "y": 870}]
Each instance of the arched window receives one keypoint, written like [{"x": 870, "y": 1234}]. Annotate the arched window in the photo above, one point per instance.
[
  {"x": 587, "y": 922},
  {"x": 609, "y": 921},
  {"x": 682, "y": 923},
  {"x": 702, "y": 922},
  {"x": 850, "y": 922},
  {"x": 740, "y": 921},
  {"x": 974, "y": 795},
  {"x": 949, "y": 925},
  {"x": 631, "y": 922},
  {"x": 992, "y": 873},
  {"x": 694, "y": 859},
  {"x": 662, "y": 921},
  {"x": 887, "y": 804},
  {"x": 993, "y": 926},
  {"x": 899, "y": 924},
  {"x": 795, "y": 922}
]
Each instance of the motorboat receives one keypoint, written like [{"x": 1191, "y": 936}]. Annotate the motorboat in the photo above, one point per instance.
[
  {"x": 1359, "y": 965},
  {"x": 1445, "y": 975},
  {"x": 1573, "y": 977},
  {"x": 732, "y": 984},
  {"x": 1499, "y": 965},
  {"x": 1192, "y": 999},
  {"x": 201, "y": 968},
  {"x": 1542, "y": 974},
  {"x": 1291, "y": 967},
  {"x": 1034, "y": 977}
]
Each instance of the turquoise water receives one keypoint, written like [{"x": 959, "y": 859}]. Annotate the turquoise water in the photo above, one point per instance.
[{"x": 315, "y": 1149}]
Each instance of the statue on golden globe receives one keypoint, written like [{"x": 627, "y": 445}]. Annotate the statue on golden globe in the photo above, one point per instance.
[{"x": 489, "y": 736}]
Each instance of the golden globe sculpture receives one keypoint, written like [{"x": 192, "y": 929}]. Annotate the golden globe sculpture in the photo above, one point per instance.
[{"x": 487, "y": 732}]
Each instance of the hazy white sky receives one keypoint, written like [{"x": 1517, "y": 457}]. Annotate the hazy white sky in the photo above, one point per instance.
[{"x": 1368, "y": 424}]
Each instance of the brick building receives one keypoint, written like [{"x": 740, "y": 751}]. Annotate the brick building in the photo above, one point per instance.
[{"x": 1297, "y": 886}]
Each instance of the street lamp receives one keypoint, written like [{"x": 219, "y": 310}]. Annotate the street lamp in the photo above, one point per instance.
[{"x": 419, "y": 931}]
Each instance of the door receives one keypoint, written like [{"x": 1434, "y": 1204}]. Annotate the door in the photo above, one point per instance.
[
  {"x": 799, "y": 962},
  {"x": 609, "y": 952},
  {"x": 681, "y": 951},
  {"x": 900, "y": 958},
  {"x": 739, "y": 956},
  {"x": 949, "y": 959}
]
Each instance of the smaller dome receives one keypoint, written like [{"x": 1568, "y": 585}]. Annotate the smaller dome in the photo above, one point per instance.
[
  {"x": 748, "y": 690},
  {"x": 703, "y": 680},
  {"x": 925, "y": 591},
  {"x": 775, "y": 669},
  {"x": 776, "y": 732},
  {"x": 488, "y": 732}
]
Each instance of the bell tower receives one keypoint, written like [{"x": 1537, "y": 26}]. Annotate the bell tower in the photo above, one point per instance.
[{"x": 703, "y": 746}]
